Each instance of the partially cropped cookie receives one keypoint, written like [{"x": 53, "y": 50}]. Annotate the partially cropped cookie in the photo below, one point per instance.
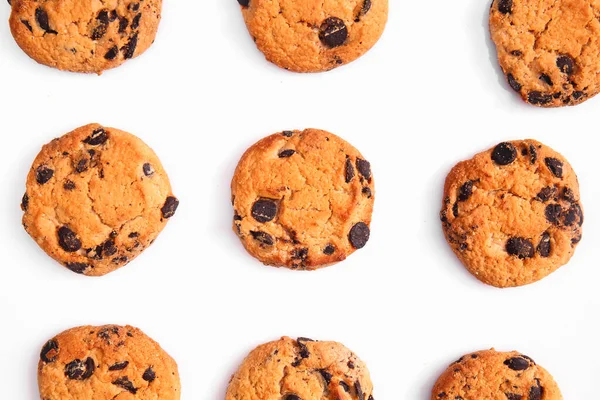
[
  {"x": 549, "y": 50},
  {"x": 495, "y": 376},
  {"x": 96, "y": 198},
  {"x": 302, "y": 199},
  {"x": 314, "y": 36},
  {"x": 106, "y": 362},
  {"x": 301, "y": 369},
  {"x": 84, "y": 35},
  {"x": 512, "y": 214}
]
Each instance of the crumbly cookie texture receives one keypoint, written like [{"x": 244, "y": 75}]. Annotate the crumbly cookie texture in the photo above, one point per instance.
[
  {"x": 512, "y": 214},
  {"x": 549, "y": 50},
  {"x": 302, "y": 199},
  {"x": 96, "y": 198},
  {"x": 314, "y": 35},
  {"x": 301, "y": 369},
  {"x": 106, "y": 362},
  {"x": 493, "y": 375},
  {"x": 84, "y": 35}
]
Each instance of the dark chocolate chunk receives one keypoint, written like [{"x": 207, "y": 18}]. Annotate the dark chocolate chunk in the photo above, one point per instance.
[
  {"x": 571, "y": 215},
  {"x": 520, "y": 247},
  {"x": 100, "y": 30},
  {"x": 546, "y": 79},
  {"x": 148, "y": 169},
  {"x": 135, "y": 22},
  {"x": 568, "y": 195},
  {"x": 329, "y": 250},
  {"x": 82, "y": 166},
  {"x": 505, "y": 6},
  {"x": 364, "y": 168},
  {"x": 578, "y": 94},
  {"x": 286, "y": 153},
  {"x": 350, "y": 364},
  {"x": 134, "y": 7},
  {"x": 41, "y": 17},
  {"x": 27, "y": 25},
  {"x": 465, "y": 191},
  {"x": 244, "y": 3},
  {"x": 119, "y": 366},
  {"x": 367, "y": 192},
  {"x": 98, "y": 137},
  {"x": 326, "y": 376},
  {"x": 333, "y": 32},
  {"x": 80, "y": 370},
  {"x": 287, "y": 133},
  {"x": 538, "y": 98},
  {"x": 504, "y": 153},
  {"x": 546, "y": 194},
  {"x": 25, "y": 202},
  {"x": 536, "y": 392},
  {"x": 123, "y": 24},
  {"x": 349, "y": 170},
  {"x": 67, "y": 239},
  {"x": 553, "y": 212},
  {"x": 263, "y": 237},
  {"x": 514, "y": 84},
  {"x": 517, "y": 363},
  {"x": 533, "y": 152},
  {"x": 112, "y": 53},
  {"x": 513, "y": 396},
  {"x": 345, "y": 386},
  {"x": 149, "y": 375},
  {"x": 363, "y": 10},
  {"x": 545, "y": 246},
  {"x": 49, "y": 351},
  {"x": 359, "y": 392},
  {"x": 125, "y": 383},
  {"x": 516, "y": 53},
  {"x": 359, "y": 235},
  {"x": 69, "y": 185},
  {"x": 264, "y": 210},
  {"x": 565, "y": 64},
  {"x": 455, "y": 210},
  {"x": 77, "y": 267},
  {"x": 555, "y": 166},
  {"x": 170, "y": 206},
  {"x": 290, "y": 396},
  {"x": 129, "y": 49},
  {"x": 43, "y": 174}
]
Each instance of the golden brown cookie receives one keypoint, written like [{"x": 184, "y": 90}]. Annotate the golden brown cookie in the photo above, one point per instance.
[
  {"x": 96, "y": 198},
  {"x": 106, "y": 362},
  {"x": 512, "y": 214},
  {"x": 314, "y": 35},
  {"x": 301, "y": 369},
  {"x": 492, "y": 375},
  {"x": 302, "y": 199},
  {"x": 549, "y": 50},
  {"x": 84, "y": 35}
]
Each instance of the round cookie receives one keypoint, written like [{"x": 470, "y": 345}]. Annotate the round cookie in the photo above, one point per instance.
[
  {"x": 84, "y": 35},
  {"x": 301, "y": 369},
  {"x": 302, "y": 199},
  {"x": 548, "y": 49},
  {"x": 512, "y": 214},
  {"x": 494, "y": 375},
  {"x": 106, "y": 362},
  {"x": 96, "y": 198},
  {"x": 313, "y": 35}
]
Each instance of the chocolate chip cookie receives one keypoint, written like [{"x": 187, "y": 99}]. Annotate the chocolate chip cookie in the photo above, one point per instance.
[
  {"x": 106, "y": 362},
  {"x": 88, "y": 36},
  {"x": 312, "y": 35},
  {"x": 549, "y": 50},
  {"x": 302, "y": 199},
  {"x": 512, "y": 214},
  {"x": 301, "y": 369},
  {"x": 96, "y": 198},
  {"x": 495, "y": 376}
]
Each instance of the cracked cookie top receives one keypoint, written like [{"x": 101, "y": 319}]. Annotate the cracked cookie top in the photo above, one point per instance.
[
  {"x": 301, "y": 369},
  {"x": 96, "y": 198},
  {"x": 549, "y": 49},
  {"x": 106, "y": 362},
  {"x": 314, "y": 35},
  {"x": 302, "y": 199},
  {"x": 495, "y": 376},
  {"x": 512, "y": 214},
  {"x": 84, "y": 35}
]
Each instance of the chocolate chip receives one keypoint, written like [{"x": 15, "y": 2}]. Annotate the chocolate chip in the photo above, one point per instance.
[
  {"x": 568, "y": 195},
  {"x": 363, "y": 10},
  {"x": 517, "y": 363},
  {"x": 359, "y": 235},
  {"x": 364, "y": 168},
  {"x": 108, "y": 248},
  {"x": 291, "y": 396},
  {"x": 129, "y": 49},
  {"x": 578, "y": 212},
  {"x": 134, "y": 7},
  {"x": 264, "y": 210},
  {"x": 329, "y": 250},
  {"x": 536, "y": 392},
  {"x": 67, "y": 239},
  {"x": 25, "y": 202},
  {"x": 49, "y": 352},
  {"x": 565, "y": 64},
  {"x": 286, "y": 153},
  {"x": 333, "y": 32},
  {"x": 77, "y": 267},
  {"x": 125, "y": 383},
  {"x": 112, "y": 53},
  {"x": 148, "y": 169},
  {"x": 513, "y": 396},
  {"x": 135, "y": 22},
  {"x": 553, "y": 212},
  {"x": 457, "y": 397},
  {"x": 123, "y": 23},
  {"x": 326, "y": 376},
  {"x": 545, "y": 246},
  {"x": 80, "y": 370},
  {"x": 514, "y": 84},
  {"x": 287, "y": 133},
  {"x": 149, "y": 375},
  {"x": 100, "y": 30},
  {"x": 133, "y": 235},
  {"x": 69, "y": 185},
  {"x": 516, "y": 53},
  {"x": 504, "y": 153},
  {"x": 367, "y": 192},
  {"x": 546, "y": 79},
  {"x": 359, "y": 392},
  {"x": 99, "y": 136},
  {"x": 170, "y": 206},
  {"x": 455, "y": 210},
  {"x": 349, "y": 170},
  {"x": 345, "y": 386},
  {"x": 520, "y": 247},
  {"x": 578, "y": 94},
  {"x": 119, "y": 366},
  {"x": 505, "y": 6},
  {"x": 113, "y": 15},
  {"x": 546, "y": 194},
  {"x": 27, "y": 25},
  {"x": 82, "y": 166},
  {"x": 43, "y": 174},
  {"x": 539, "y": 98},
  {"x": 120, "y": 260},
  {"x": 465, "y": 191},
  {"x": 244, "y": 3},
  {"x": 350, "y": 364},
  {"x": 263, "y": 237},
  {"x": 533, "y": 152},
  {"x": 555, "y": 166},
  {"x": 571, "y": 215},
  {"x": 41, "y": 17}
]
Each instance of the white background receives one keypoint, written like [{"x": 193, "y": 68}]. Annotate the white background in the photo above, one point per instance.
[{"x": 428, "y": 95}]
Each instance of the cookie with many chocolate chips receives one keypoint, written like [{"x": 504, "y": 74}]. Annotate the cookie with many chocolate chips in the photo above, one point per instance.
[
  {"x": 549, "y": 50},
  {"x": 512, "y": 214},
  {"x": 96, "y": 198},
  {"x": 301, "y": 369},
  {"x": 494, "y": 375},
  {"x": 312, "y": 35},
  {"x": 84, "y": 36},
  {"x": 106, "y": 362},
  {"x": 302, "y": 199}
]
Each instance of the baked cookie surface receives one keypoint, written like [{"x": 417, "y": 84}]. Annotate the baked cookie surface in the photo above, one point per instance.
[
  {"x": 314, "y": 35},
  {"x": 302, "y": 199},
  {"x": 301, "y": 369},
  {"x": 84, "y": 35},
  {"x": 493, "y": 375},
  {"x": 96, "y": 198},
  {"x": 106, "y": 362},
  {"x": 512, "y": 214},
  {"x": 549, "y": 50}
]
